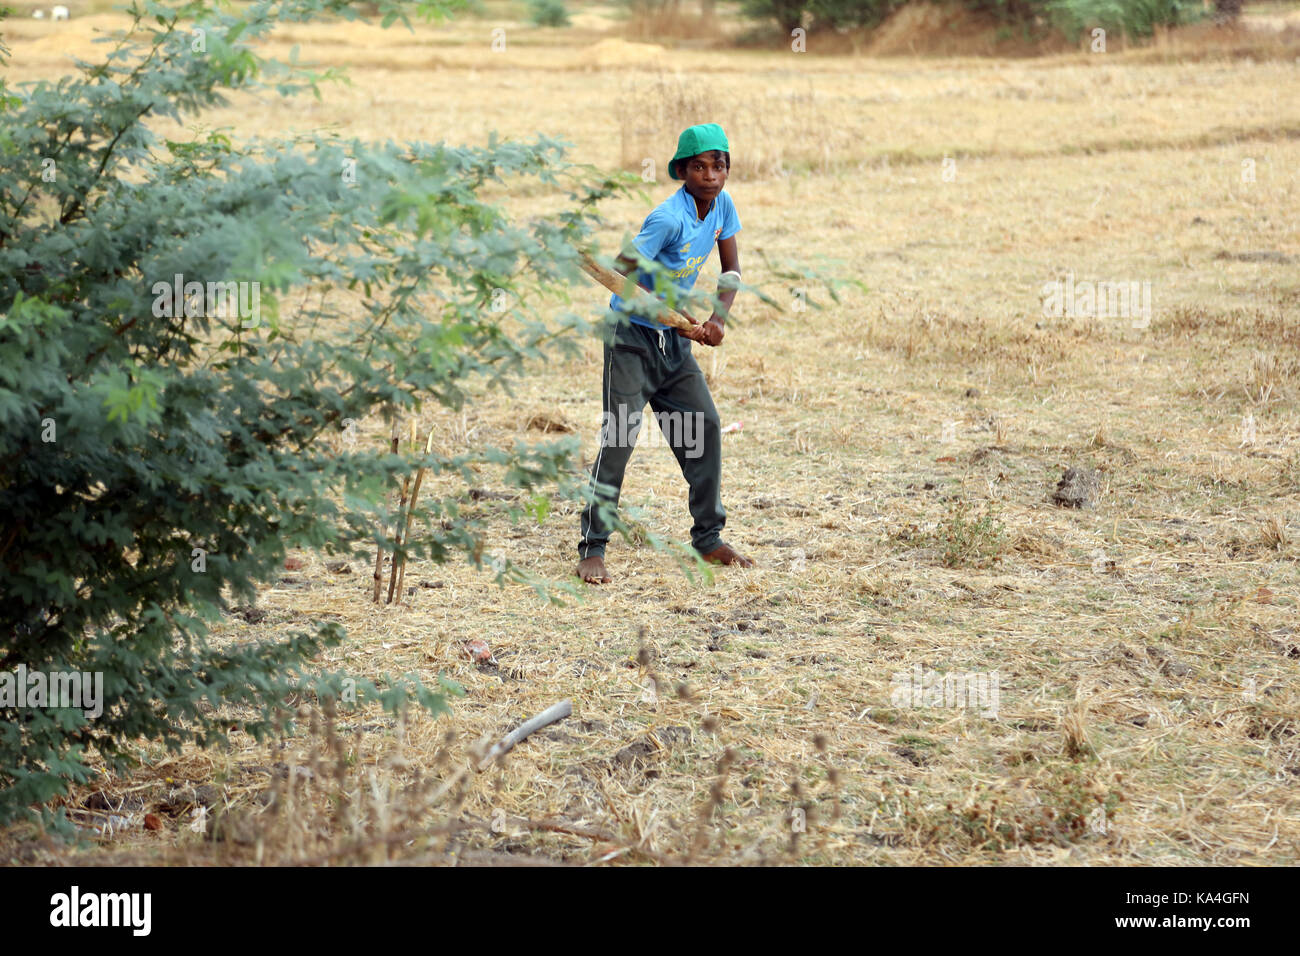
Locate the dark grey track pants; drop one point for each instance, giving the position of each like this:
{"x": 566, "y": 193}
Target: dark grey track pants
{"x": 643, "y": 365}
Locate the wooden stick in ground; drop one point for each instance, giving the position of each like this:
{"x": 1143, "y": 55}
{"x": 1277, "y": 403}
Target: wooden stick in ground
{"x": 379, "y": 548}
{"x": 397, "y": 539}
{"x": 379, "y": 568}
{"x": 410, "y": 513}
{"x": 507, "y": 743}
{"x": 616, "y": 283}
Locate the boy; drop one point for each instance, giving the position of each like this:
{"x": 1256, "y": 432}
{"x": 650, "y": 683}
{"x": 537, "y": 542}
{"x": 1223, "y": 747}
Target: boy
{"x": 646, "y": 361}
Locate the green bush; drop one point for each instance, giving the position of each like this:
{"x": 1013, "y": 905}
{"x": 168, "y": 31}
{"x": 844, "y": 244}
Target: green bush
{"x": 548, "y": 13}
{"x": 788, "y": 14}
{"x": 824, "y": 14}
{"x": 849, "y": 14}
{"x": 1012, "y": 11}
{"x": 1226, "y": 11}
{"x": 1133, "y": 18}
{"x": 160, "y": 454}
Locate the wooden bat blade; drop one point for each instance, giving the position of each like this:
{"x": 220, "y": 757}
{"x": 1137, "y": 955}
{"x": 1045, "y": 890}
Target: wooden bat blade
{"x": 616, "y": 283}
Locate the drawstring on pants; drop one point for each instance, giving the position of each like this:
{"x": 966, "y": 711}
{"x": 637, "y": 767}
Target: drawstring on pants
{"x": 661, "y": 342}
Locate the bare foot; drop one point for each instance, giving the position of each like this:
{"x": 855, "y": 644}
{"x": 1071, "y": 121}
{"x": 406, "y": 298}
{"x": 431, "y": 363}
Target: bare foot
{"x": 723, "y": 554}
{"x": 592, "y": 570}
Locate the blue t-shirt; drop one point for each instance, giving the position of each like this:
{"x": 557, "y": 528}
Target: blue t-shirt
{"x": 677, "y": 238}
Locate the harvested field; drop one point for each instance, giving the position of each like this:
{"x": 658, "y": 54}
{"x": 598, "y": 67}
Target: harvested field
{"x": 934, "y": 661}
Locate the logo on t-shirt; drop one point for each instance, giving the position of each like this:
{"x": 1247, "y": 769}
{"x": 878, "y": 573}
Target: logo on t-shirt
{"x": 686, "y": 248}
{"x": 716, "y": 233}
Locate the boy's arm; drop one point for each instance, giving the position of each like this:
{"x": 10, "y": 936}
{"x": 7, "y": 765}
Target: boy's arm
{"x": 712, "y": 331}
{"x": 729, "y": 257}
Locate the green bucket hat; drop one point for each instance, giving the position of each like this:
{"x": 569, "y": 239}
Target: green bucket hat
{"x": 695, "y": 140}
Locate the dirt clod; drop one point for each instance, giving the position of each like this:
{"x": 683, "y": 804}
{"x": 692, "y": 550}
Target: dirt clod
{"x": 1078, "y": 488}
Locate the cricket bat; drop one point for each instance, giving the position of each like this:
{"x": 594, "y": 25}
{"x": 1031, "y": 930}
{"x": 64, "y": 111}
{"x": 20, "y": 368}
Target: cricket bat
{"x": 616, "y": 283}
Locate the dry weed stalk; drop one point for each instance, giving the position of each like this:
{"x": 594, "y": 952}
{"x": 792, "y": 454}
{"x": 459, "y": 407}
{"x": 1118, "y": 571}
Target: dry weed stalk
{"x": 1074, "y": 727}
{"x": 1275, "y": 534}
{"x": 327, "y": 808}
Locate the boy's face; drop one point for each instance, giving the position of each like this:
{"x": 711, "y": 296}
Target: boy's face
{"x": 705, "y": 174}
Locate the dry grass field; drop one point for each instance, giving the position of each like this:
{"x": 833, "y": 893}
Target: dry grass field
{"x": 1136, "y": 661}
